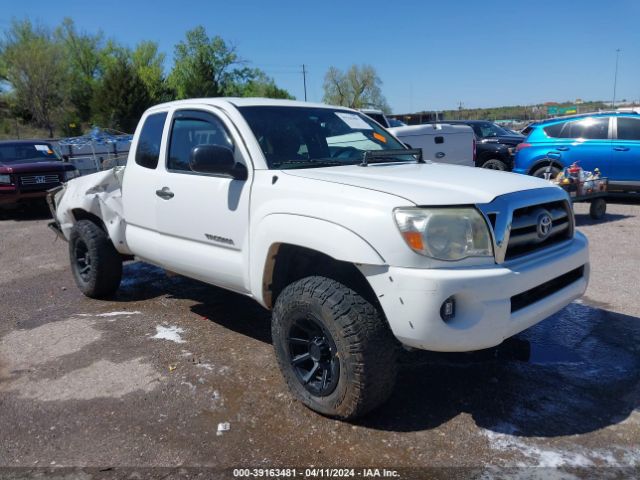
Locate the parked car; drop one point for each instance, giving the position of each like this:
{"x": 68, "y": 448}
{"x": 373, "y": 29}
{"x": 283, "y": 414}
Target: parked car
{"x": 495, "y": 147}
{"x": 28, "y": 168}
{"x": 353, "y": 241}
{"x": 607, "y": 141}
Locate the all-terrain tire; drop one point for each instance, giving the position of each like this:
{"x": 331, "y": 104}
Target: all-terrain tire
{"x": 95, "y": 263}
{"x": 361, "y": 342}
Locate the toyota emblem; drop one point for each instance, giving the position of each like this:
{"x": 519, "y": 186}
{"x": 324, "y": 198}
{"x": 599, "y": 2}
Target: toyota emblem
{"x": 544, "y": 225}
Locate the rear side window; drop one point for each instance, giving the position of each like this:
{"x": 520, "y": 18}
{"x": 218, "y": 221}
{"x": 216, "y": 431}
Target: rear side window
{"x": 628, "y": 128}
{"x": 587, "y": 128}
{"x": 148, "y": 150}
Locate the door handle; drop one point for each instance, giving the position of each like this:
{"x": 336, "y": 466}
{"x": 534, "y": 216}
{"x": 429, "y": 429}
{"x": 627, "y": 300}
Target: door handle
{"x": 562, "y": 149}
{"x": 164, "y": 193}
{"x": 621, "y": 149}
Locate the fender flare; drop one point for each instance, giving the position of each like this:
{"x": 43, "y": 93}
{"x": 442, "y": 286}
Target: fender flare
{"x": 313, "y": 233}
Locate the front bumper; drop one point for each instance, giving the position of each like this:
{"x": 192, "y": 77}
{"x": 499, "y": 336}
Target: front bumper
{"x": 411, "y": 298}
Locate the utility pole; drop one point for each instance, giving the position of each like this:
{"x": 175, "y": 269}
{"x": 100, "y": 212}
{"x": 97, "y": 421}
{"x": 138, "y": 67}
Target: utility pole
{"x": 304, "y": 79}
{"x": 615, "y": 79}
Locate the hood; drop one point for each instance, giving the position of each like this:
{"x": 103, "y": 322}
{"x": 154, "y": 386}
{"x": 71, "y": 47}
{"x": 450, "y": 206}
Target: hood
{"x": 511, "y": 139}
{"x": 31, "y": 166}
{"x": 427, "y": 184}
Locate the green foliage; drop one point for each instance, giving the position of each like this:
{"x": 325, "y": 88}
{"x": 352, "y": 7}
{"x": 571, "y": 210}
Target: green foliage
{"x": 203, "y": 66}
{"x": 34, "y": 65}
{"x": 121, "y": 96}
{"x": 256, "y": 83}
{"x": 61, "y": 80}
{"x": 358, "y": 87}
{"x": 149, "y": 64}
{"x": 519, "y": 113}
{"x": 83, "y": 54}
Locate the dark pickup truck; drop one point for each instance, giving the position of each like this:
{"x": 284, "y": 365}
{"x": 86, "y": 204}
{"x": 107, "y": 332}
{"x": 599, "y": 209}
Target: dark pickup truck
{"x": 28, "y": 168}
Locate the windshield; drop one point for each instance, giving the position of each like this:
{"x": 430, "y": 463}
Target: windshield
{"x": 307, "y": 137}
{"x": 26, "y": 153}
{"x": 485, "y": 130}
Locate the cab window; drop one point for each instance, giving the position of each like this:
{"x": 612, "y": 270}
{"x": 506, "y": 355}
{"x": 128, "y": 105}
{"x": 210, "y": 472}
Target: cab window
{"x": 148, "y": 150}
{"x": 190, "y": 129}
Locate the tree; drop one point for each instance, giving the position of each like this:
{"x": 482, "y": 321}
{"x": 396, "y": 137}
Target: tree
{"x": 83, "y": 54}
{"x": 34, "y": 65}
{"x": 148, "y": 62}
{"x": 256, "y": 83}
{"x": 121, "y": 96}
{"x": 358, "y": 87}
{"x": 203, "y": 66}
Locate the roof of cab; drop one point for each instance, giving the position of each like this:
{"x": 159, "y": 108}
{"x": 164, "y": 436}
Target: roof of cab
{"x": 243, "y": 102}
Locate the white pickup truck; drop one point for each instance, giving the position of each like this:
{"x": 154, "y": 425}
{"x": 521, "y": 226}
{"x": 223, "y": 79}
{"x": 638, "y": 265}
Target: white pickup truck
{"x": 357, "y": 248}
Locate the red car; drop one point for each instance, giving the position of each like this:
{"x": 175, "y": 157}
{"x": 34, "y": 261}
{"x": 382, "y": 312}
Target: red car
{"x": 28, "y": 168}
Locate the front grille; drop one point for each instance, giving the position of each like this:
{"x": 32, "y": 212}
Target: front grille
{"x": 540, "y": 292}
{"x": 525, "y": 236}
{"x": 43, "y": 179}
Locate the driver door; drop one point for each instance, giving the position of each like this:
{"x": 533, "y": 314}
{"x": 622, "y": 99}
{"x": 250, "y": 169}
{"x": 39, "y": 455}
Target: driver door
{"x": 202, "y": 218}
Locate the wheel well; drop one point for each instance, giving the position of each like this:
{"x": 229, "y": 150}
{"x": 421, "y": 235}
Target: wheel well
{"x": 288, "y": 263}
{"x": 80, "y": 214}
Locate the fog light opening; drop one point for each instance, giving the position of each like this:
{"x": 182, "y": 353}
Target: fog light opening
{"x": 448, "y": 309}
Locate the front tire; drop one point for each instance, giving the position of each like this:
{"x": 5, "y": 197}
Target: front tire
{"x": 95, "y": 263}
{"x": 334, "y": 348}
{"x": 495, "y": 164}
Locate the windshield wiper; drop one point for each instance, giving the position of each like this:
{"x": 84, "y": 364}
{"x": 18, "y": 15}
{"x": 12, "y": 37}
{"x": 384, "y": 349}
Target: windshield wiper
{"x": 310, "y": 163}
{"x": 381, "y": 156}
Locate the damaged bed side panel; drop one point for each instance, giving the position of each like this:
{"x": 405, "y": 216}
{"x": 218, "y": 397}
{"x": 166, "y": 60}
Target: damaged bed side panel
{"x": 99, "y": 194}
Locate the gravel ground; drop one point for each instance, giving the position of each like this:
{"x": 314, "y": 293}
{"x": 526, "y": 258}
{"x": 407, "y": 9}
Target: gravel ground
{"x": 175, "y": 373}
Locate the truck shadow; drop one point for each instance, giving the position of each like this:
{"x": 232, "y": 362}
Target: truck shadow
{"x": 583, "y": 219}
{"x": 576, "y": 372}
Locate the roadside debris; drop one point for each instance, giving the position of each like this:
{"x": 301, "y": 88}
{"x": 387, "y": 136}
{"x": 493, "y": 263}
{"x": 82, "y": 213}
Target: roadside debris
{"x": 223, "y": 427}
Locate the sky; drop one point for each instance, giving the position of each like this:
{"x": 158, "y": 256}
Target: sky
{"x": 429, "y": 55}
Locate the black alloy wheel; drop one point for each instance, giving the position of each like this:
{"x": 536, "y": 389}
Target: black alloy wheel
{"x": 313, "y": 356}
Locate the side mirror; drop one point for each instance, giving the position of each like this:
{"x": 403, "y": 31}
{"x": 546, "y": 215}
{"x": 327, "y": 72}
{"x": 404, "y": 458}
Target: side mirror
{"x": 217, "y": 160}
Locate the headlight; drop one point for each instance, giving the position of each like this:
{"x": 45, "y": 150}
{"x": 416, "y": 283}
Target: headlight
{"x": 445, "y": 233}
{"x": 71, "y": 174}
{"x": 5, "y": 178}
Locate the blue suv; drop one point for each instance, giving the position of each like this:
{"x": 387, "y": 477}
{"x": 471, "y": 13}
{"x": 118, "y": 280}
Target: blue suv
{"x": 608, "y": 141}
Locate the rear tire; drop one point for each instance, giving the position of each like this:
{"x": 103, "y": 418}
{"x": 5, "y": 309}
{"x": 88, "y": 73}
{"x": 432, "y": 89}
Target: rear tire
{"x": 320, "y": 325}
{"x": 495, "y": 164}
{"x": 95, "y": 263}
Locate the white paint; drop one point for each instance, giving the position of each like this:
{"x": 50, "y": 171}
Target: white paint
{"x": 206, "y": 366}
{"x": 223, "y": 427}
{"x": 171, "y": 333}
